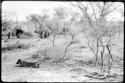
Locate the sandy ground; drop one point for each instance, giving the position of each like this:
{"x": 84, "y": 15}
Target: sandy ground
{"x": 73, "y": 70}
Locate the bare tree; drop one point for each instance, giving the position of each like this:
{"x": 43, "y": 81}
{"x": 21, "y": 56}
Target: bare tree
{"x": 97, "y": 28}
{"x": 54, "y": 26}
{"x": 57, "y": 22}
{"x": 71, "y": 31}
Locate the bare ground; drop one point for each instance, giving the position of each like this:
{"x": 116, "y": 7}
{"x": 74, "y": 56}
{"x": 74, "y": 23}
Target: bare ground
{"x": 74, "y": 69}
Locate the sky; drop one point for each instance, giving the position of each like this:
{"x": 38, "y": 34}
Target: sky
{"x": 25, "y": 8}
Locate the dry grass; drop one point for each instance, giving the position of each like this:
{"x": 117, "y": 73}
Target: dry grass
{"x": 80, "y": 63}
{"x": 51, "y": 52}
{"x": 17, "y": 45}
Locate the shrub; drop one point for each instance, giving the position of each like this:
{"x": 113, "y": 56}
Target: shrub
{"x": 35, "y": 56}
{"x": 4, "y": 57}
{"x": 28, "y": 34}
{"x": 53, "y": 53}
{"x": 17, "y": 45}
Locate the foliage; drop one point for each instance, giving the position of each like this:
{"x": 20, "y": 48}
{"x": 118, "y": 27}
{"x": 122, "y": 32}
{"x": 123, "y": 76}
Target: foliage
{"x": 39, "y": 22}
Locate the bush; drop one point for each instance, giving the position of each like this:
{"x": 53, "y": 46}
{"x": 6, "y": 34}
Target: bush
{"x": 4, "y": 57}
{"x": 35, "y": 56}
{"x": 54, "y": 53}
{"x": 17, "y": 45}
{"x": 28, "y": 34}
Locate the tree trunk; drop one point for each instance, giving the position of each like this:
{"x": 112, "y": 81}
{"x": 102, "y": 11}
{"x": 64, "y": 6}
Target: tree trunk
{"x": 97, "y": 43}
{"x": 43, "y": 35}
{"x": 54, "y": 36}
{"x": 109, "y": 61}
{"x": 66, "y": 49}
{"x": 9, "y": 35}
{"x": 102, "y": 54}
{"x": 109, "y": 50}
{"x": 119, "y": 33}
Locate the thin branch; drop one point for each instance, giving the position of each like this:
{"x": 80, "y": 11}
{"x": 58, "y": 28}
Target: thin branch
{"x": 72, "y": 4}
{"x": 107, "y": 6}
{"x": 91, "y": 24}
{"x": 102, "y": 11}
{"x": 99, "y": 6}
{"x": 109, "y": 52}
{"x": 110, "y": 11}
{"x": 66, "y": 49}
{"x": 94, "y": 12}
{"x": 91, "y": 48}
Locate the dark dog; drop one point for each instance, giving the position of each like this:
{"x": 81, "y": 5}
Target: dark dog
{"x": 27, "y": 64}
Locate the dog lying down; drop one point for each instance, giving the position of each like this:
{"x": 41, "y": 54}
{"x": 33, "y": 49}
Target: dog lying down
{"x": 22, "y": 63}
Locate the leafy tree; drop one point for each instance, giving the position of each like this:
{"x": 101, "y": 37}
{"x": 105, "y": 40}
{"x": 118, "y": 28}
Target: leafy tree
{"x": 7, "y": 23}
{"x": 39, "y": 23}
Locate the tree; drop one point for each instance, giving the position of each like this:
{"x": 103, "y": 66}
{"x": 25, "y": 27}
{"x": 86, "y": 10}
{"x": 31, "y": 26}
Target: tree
{"x": 96, "y": 26}
{"x": 71, "y": 29}
{"x": 7, "y": 23}
{"x": 54, "y": 25}
{"x": 39, "y": 23}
